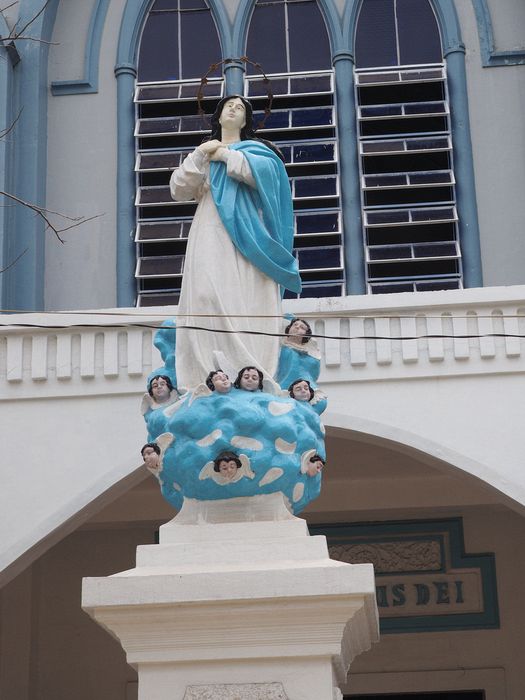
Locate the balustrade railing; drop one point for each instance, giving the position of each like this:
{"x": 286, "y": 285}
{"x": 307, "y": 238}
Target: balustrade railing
{"x": 361, "y": 338}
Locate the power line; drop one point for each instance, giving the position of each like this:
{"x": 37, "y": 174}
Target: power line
{"x": 307, "y": 315}
{"x": 423, "y": 336}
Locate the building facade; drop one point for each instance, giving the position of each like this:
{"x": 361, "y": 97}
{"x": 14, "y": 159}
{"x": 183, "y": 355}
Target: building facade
{"x": 400, "y": 122}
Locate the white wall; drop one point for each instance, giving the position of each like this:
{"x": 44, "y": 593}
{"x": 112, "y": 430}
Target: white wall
{"x": 497, "y": 103}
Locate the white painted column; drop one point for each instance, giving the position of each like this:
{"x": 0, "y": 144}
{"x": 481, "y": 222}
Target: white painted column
{"x": 238, "y": 601}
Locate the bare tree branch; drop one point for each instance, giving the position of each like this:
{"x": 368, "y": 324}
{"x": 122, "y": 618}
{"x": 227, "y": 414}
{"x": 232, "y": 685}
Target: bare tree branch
{"x": 4, "y": 132}
{"x": 13, "y": 262}
{"x": 44, "y": 214}
{"x": 29, "y": 38}
{"x": 8, "y": 7}
{"x": 78, "y": 222}
{"x": 16, "y": 34}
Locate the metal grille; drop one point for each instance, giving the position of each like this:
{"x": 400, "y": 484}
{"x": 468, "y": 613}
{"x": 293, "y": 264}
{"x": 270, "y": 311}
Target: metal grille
{"x": 302, "y": 124}
{"x": 167, "y": 129}
{"x": 407, "y": 179}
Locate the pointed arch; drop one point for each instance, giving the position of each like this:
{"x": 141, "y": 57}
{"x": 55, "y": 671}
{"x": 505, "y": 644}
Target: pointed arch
{"x": 244, "y": 15}
{"x": 133, "y": 18}
{"x": 446, "y": 15}
{"x": 454, "y": 55}
{"x": 285, "y": 52}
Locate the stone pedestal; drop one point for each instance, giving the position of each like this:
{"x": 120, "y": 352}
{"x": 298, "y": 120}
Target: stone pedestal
{"x": 237, "y": 602}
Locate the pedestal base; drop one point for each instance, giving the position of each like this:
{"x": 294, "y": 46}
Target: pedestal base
{"x": 233, "y": 609}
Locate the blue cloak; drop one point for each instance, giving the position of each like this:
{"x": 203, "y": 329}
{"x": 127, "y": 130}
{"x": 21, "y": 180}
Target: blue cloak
{"x": 259, "y": 221}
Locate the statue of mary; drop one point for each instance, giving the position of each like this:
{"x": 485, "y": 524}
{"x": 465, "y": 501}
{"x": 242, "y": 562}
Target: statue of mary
{"x": 239, "y": 256}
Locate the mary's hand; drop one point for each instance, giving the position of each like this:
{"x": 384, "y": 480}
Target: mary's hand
{"x": 208, "y": 148}
{"x": 220, "y": 154}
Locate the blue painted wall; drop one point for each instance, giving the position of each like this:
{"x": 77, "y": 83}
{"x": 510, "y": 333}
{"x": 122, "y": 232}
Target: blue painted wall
{"x": 6, "y": 119}
{"x": 23, "y": 284}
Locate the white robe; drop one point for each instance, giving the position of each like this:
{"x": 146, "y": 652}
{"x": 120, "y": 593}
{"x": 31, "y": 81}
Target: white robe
{"x": 219, "y": 281}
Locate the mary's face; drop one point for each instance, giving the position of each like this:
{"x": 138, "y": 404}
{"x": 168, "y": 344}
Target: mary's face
{"x": 233, "y": 114}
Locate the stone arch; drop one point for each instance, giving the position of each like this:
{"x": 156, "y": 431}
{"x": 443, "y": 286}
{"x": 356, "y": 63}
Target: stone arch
{"x": 427, "y": 451}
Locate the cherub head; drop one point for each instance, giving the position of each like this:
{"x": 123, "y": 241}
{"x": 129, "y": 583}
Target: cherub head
{"x": 298, "y": 328}
{"x": 160, "y": 388}
{"x": 218, "y": 381}
{"x": 315, "y": 465}
{"x": 300, "y": 390}
{"x": 226, "y": 464}
{"x": 249, "y": 379}
{"x": 151, "y": 455}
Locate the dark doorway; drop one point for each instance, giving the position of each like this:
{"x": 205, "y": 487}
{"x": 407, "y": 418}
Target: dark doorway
{"x": 449, "y": 695}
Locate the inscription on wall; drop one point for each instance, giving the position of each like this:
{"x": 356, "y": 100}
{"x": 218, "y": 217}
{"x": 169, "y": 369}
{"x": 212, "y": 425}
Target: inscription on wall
{"x": 433, "y": 595}
{"x": 424, "y": 580}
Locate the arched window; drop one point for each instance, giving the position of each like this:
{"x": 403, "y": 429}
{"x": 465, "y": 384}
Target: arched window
{"x": 288, "y": 36}
{"x": 289, "y": 39}
{"x": 396, "y": 33}
{"x": 171, "y": 62}
{"x": 179, "y": 41}
{"x": 410, "y": 220}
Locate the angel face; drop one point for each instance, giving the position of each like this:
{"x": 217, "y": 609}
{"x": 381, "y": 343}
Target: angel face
{"x": 315, "y": 465}
{"x": 160, "y": 390}
{"x": 298, "y": 331}
{"x": 250, "y": 380}
{"x": 228, "y": 468}
{"x": 221, "y": 382}
{"x": 301, "y": 391}
{"x": 151, "y": 458}
{"x": 298, "y": 327}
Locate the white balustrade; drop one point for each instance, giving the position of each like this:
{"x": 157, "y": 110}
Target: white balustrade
{"x": 362, "y": 339}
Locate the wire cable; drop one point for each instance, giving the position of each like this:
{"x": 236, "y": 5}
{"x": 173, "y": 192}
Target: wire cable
{"x": 423, "y": 336}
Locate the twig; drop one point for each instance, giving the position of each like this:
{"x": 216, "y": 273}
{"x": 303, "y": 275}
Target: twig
{"x": 29, "y": 38}
{"x": 44, "y": 214}
{"x": 13, "y": 262}
{"x": 8, "y": 7}
{"x": 16, "y": 34}
{"x": 78, "y": 221}
{"x": 4, "y": 132}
